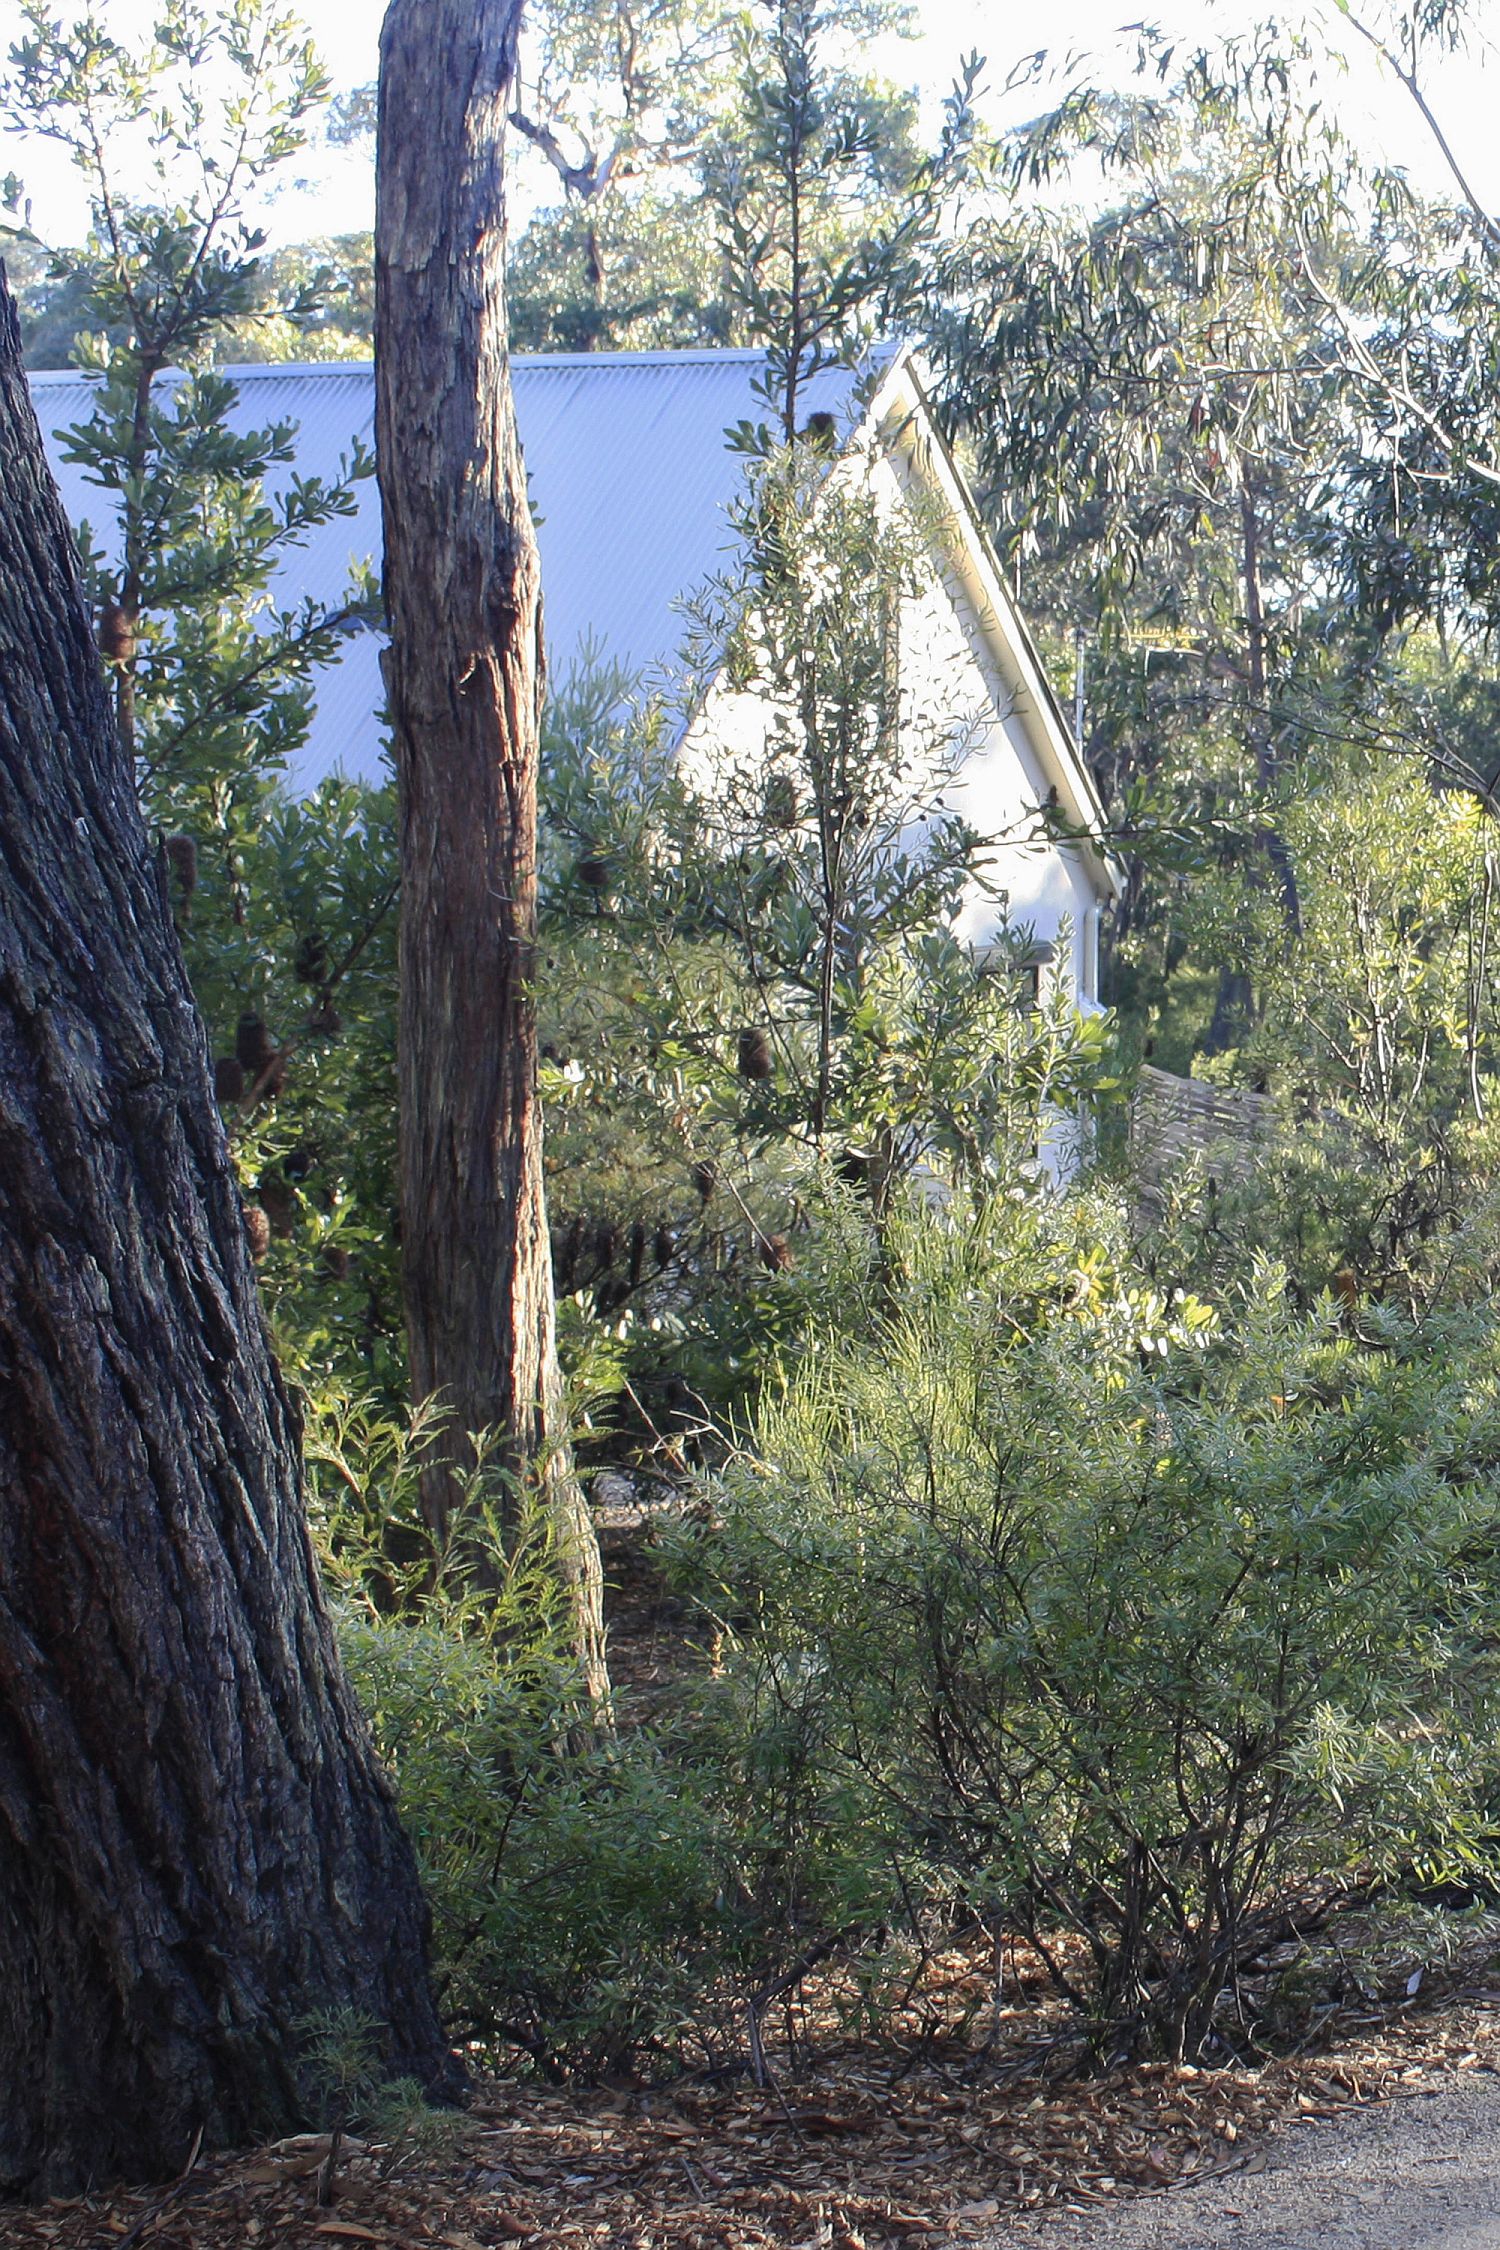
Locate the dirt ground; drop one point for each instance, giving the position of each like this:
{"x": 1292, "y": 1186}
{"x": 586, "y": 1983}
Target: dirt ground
{"x": 1385, "y": 2140}
{"x": 1419, "y": 2173}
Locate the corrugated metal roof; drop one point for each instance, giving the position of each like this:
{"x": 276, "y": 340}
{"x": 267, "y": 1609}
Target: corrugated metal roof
{"x": 630, "y": 477}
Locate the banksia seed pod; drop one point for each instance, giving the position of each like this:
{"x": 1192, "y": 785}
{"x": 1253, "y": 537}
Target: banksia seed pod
{"x": 252, "y": 1042}
{"x": 566, "y": 1251}
{"x": 606, "y": 1242}
{"x": 229, "y": 1079}
{"x": 776, "y": 1252}
{"x": 665, "y": 1246}
{"x": 821, "y": 430}
{"x": 257, "y": 1231}
{"x": 182, "y": 858}
{"x": 311, "y": 963}
{"x": 336, "y": 1260}
{"x": 325, "y": 1022}
{"x": 637, "y": 1254}
{"x": 278, "y": 1199}
{"x": 272, "y": 1080}
{"x": 754, "y": 1053}
{"x": 298, "y": 1162}
{"x": 116, "y": 634}
{"x": 593, "y": 872}
{"x": 705, "y": 1178}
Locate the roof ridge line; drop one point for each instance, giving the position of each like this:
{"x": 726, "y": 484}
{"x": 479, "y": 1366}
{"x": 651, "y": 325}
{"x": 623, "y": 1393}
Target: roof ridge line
{"x": 242, "y": 371}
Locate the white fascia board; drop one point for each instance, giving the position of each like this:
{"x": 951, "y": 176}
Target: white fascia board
{"x": 899, "y": 415}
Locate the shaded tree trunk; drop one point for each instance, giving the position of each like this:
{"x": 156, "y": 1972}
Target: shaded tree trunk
{"x": 464, "y": 673}
{"x": 197, "y": 1847}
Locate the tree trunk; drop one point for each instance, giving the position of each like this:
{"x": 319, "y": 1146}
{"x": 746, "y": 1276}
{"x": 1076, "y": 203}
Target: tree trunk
{"x": 464, "y": 673}
{"x": 1267, "y": 763}
{"x": 197, "y": 1847}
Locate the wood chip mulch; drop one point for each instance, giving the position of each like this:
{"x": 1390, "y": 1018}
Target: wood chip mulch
{"x": 863, "y": 2150}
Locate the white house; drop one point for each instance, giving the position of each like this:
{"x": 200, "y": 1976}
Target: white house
{"x": 631, "y": 480}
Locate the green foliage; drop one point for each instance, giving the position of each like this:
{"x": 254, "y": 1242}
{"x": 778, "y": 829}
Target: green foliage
{"x": 1376, "y": 1040}
{"x": 658, "y": 287}
{"x": 1118, "y": 1616}
{"x": 204, "y": 110}
{"x": 574, "y": 1895}
{"x": 573, "y": 1891}
{"x": 754, "y": 988}
{"x": 350, "y": 2089}
{"x": 826, "y": 207}
{"x": 1045, "y": 1597}
{"x": 284, "y": 904}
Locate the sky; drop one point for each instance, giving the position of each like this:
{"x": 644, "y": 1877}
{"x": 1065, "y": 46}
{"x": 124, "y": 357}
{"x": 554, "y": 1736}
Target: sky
{"x": 332, "y": 191}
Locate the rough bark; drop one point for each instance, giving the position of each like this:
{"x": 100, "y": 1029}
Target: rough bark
{"x": 197, "y": 1846}
{"x": 464, "y": 673}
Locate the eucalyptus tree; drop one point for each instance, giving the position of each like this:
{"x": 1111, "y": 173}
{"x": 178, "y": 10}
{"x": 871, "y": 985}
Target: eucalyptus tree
{"x": 200, "y": 1851}
{"x": 669, "y": 203}
{"x": 465, "y": 677}
{"x": 617, "y": 96}
{"x": 1155, "y": 405}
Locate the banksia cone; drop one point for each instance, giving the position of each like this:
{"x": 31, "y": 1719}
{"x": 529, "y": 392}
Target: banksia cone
{"x": 182, "y": 858}
{"x": 278, "y": 1199}
{"x": 666, "y": 1246}
{"x": 705, "y": 1179}
{"x": 776, "y": 1252}
{"x": 325, "y": 1022}
{"x": 821, "y": 430}
{"x": 272, "y": 1080}
{"x": 257, "y": 1231}
{"x": 637, "y": 1254}
{"x": 754, "y": 1053}
{"x": 311, "y": 963}
{"x": 116, "y": 634}
{"x": 606, "y": 1242}
{"x": 336, "y": 1261}
{"x": 252, "y": 1043}
{"x": 229, "y": 1079}
{"x": 593, "y": 872}
{"x": 567, "y": 1251}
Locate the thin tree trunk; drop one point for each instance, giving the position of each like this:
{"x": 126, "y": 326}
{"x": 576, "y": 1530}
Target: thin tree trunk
{"x": 1267, "y": 764}
{"x": 197, "y": 1847}
{"x": 464, "y": 671}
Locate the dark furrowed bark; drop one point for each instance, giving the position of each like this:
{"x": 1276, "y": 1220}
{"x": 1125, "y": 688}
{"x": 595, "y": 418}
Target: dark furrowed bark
{"x": 197, "y": 1846}
{"x": 464, "y": 671}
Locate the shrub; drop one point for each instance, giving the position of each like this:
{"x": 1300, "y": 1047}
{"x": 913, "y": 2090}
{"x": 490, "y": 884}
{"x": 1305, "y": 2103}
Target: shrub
{"x": 572, "y": 1888}
{"x": 573, "y": 1895}
{"x": 1116, "y": 1617}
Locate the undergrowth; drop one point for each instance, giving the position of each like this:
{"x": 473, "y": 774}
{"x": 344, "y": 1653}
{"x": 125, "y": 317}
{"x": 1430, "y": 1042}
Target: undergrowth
{"x": 1060, "y": 1606}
